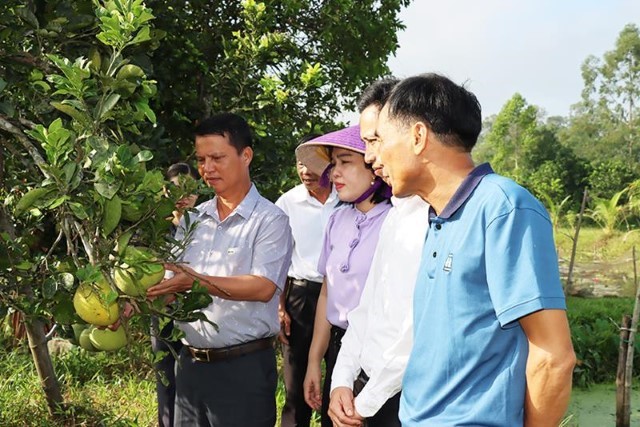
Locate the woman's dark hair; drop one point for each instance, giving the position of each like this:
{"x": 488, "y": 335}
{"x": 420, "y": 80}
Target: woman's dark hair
{"x": 382, "y": 194}
{"x": 182, "y": 168}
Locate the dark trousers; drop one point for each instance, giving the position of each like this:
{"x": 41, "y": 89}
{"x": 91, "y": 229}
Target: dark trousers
{"x": 335, "y": 342}
{"x": 387, "y": 415}
{"x": 301, "y": 301}
{"x": 165, "y": 387}
{"x": 235, "y": 392}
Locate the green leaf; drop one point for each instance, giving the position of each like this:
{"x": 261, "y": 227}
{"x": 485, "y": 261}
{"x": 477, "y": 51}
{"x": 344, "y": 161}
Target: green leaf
{"x": 24, "y": 265}
{"x": 49, "y": 288}
{"x": 88, "y": 273}
{"x": 148, "y": 112}
{"x": 142, "y": 36}
{"x": 70, "y": 111}
{"x": 144, "y": 156}
{"x": 106, "y": 190}
{"x": 3, "y": 84}
{"x": 62, "y": 310}
{"x": 31, "y": 198}
{"x": 112, "y": 214}
{"x": 7, "y": 108}
{"x": 96, "y": 59}
{"x": 123, "y": 242}
{"x": 69, "y": 170}
{"x": 107, "y": 105}
{"x": 43, "y": 86}
{"x": 78, "y": 210}
{"x": 57, "y": 202}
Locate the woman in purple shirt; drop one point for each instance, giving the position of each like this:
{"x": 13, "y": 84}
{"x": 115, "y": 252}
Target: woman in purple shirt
{"x": 350, "y": 240}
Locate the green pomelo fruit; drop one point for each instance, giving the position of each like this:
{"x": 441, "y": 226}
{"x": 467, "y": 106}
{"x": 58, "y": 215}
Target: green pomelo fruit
{"x": 139, "y": 272}
{"x": 108, "y": 340}
{"x": 89, "y": 302}
{"x": 85, "y": 341}
{"x": 78, "y": 328}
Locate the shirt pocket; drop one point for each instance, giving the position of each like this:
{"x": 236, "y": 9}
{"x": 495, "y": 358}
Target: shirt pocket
{"x": 238, "y": 259}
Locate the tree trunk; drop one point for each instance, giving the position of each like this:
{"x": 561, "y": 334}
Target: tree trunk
{"x": 622, "y": 420}
{"x": 42, "y": 360}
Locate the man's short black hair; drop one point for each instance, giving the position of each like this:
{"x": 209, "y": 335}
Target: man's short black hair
{"x": 227, "y": 124}
{"x": 376, "y": 93}
{"x": 452, "y": 112}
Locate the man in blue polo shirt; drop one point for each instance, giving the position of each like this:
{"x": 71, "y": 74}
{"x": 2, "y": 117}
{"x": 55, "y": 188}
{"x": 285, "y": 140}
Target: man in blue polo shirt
{"x": 491, "y": 338}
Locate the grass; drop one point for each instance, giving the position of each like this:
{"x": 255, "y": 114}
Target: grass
{"x": 101, "y": 389}
{"x": 593, "y": 245}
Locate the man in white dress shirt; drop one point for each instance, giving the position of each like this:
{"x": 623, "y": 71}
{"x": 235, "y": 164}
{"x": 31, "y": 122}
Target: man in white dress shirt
{"x": 309, "y": 206}
{"x": 240, "y": 251}
{"x": 376, "y": 346}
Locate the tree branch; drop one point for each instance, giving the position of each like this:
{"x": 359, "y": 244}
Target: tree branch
{"x": 7, "y": 126}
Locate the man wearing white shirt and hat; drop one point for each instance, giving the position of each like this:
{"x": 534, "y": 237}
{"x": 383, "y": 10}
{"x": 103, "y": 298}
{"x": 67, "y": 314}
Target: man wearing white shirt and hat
{"x": 309, "y": 206}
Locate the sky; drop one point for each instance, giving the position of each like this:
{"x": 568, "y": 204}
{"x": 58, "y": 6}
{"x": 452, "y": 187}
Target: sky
{"x": 500, "y": 47}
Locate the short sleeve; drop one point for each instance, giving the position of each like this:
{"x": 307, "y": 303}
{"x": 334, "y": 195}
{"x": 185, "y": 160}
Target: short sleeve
{"x": 522, "y": 265}
{"x": 272, "y": 250}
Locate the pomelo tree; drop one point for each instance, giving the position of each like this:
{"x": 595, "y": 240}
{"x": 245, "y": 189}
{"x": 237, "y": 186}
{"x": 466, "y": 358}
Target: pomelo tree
{"x": 96, "y": 93}
{"x": 86, "y": 194}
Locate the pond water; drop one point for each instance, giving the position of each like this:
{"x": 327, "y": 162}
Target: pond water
{"x": 596, "y": 406}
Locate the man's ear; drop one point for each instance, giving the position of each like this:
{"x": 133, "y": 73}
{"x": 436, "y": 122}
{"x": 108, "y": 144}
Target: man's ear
{"x": 420, "y": 134}
{"x": 247, "y": 155}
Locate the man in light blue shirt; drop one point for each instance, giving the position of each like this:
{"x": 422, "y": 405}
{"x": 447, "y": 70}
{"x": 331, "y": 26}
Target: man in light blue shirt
{"x": 491, "y": 338}
{"x": 240, "y": 251}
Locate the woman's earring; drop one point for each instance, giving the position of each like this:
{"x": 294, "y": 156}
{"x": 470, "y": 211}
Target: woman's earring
{"x": 373, "y": 181}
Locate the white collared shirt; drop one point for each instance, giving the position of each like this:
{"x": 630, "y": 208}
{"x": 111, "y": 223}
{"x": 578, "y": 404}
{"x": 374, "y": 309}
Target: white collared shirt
{"x": 379, "y": 337}
{"x": 308, "y": 219}
{"x": 254, "y": 239}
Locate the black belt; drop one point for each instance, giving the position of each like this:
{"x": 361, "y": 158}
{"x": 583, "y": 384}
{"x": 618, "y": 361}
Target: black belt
{"x": 217, "y": 354}
{"x": 313, "y": 286}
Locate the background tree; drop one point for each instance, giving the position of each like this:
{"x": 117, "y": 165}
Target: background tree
{"x": 605, "y": 122}
{"x": 289, "y": 67}
{"x": 520, "y": 145}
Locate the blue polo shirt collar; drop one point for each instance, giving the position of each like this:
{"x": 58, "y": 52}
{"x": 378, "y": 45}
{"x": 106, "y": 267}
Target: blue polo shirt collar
{"x": 244, "y": 209}
{"x": 463, "y": 192}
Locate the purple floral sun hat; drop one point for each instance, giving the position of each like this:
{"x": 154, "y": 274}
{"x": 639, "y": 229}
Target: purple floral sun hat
{"x": 314, "y": 154}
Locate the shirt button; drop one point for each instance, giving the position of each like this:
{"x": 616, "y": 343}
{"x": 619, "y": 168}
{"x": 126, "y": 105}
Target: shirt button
{"x": 435, "y": 254}
{"x": 219, "y": 227}
{"x": 438, "y": 226}
{"x": 344, "y": 268}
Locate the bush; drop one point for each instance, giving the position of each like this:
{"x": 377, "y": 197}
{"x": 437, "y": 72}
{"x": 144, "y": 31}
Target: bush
{"x": 595, "y": 334}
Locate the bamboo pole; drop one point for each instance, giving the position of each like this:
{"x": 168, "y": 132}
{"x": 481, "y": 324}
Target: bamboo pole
{"x": 628, "y": 376}
{"x": 569, "y": 285}
{"x": 620, "y": 372}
